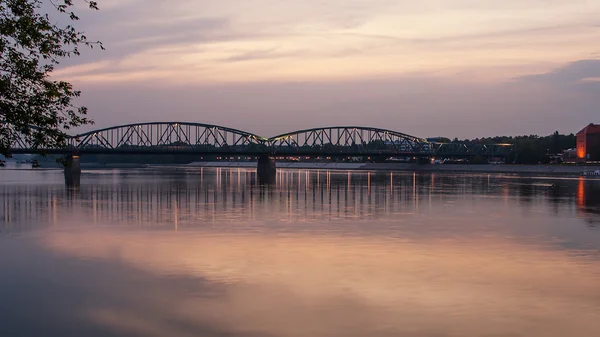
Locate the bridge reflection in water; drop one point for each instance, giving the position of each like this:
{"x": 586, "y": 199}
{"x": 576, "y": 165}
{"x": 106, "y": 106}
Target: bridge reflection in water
{"x": 204, "y": 197}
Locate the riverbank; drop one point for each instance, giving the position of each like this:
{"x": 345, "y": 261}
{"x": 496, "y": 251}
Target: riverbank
{"x": 521, "y": 169}
{"x": 409, "y": 167}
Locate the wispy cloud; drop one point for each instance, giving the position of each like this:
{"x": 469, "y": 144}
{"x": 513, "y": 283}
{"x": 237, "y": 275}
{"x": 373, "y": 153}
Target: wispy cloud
{"x": 267, "y": 54}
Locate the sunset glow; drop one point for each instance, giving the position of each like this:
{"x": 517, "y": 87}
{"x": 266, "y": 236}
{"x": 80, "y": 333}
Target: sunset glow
{"x": 294, "y": 40}
{"x": 477, "y": 68}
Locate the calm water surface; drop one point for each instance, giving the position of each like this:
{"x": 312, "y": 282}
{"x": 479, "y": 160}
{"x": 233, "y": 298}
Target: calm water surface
{"x": 198, "y": 252}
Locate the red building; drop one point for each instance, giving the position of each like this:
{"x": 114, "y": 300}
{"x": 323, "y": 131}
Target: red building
{"x": 588, "y": 143}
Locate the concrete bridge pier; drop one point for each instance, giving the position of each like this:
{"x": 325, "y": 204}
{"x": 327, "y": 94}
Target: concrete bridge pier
{"x": 266, "y": 169}
{"x": 423, "y": 160}
{"x": 72, "y": 171}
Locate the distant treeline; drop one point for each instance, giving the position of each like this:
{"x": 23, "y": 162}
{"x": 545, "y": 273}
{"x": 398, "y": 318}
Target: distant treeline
{"x": 532, "y": 149}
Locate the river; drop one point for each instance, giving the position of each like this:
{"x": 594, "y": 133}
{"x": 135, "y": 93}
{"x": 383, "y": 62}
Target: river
{"x": 210, "y": 252}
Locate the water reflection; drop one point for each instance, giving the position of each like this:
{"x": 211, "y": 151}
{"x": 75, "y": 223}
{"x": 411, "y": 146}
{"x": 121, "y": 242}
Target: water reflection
{"x": 213, "y": 253}
{"x": 158, "y": 197}
{"x": 588, "y": 202}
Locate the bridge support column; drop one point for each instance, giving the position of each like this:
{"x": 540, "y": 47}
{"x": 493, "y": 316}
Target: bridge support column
{"x": 72, "y": 171}
{"x": 266, "y": 169}
{"x": 423, "y": 160}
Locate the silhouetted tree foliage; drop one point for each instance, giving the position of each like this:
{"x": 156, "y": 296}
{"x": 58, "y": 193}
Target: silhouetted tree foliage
{"x": 532, "y": 149}
{"x": 32, "y": 105}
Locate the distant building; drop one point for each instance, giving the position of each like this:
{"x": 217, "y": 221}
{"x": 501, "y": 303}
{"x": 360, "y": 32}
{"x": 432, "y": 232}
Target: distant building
{"x": 569, "y": 155}
{"x": 588, "y": 143}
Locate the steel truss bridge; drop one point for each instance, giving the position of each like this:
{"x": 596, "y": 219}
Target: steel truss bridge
{"x": 198, "y": 138}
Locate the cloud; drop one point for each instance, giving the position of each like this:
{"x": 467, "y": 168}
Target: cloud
{"x": 384, "y": 29}
{"x": 479, "y": 37}
{"x": 577, "y": 72}
{"x": 303, "y": 64}
{"x": 124, "y": 39}
{"x": 268, "y": 40}
{"x": 264, "y": 55}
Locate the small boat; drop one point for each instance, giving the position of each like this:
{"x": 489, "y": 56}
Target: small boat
{"x": 591, "y": 173}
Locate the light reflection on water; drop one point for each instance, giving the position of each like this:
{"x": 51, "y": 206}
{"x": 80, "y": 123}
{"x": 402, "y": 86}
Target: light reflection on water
{"x": 210, "y": 252}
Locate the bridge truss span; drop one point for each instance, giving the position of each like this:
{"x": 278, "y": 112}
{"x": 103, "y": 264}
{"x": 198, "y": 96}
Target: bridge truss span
{"x": 168, "y": 137}
{"x": 348, "y": 140}
{"x": 199, "y": 138}
{"x": 470, "y": 150}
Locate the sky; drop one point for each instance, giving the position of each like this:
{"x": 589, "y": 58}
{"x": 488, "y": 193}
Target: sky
{"x": 454, "y": 68}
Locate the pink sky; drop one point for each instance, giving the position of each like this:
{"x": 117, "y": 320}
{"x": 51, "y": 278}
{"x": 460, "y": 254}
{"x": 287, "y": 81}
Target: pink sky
{"x": 461, "y": 68}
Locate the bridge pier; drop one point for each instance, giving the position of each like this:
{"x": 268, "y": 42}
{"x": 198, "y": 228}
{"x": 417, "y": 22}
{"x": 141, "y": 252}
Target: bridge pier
{"x": 266, "y": 169}
{"x": 72, "y": 171}
{"x": 423, "y": 160}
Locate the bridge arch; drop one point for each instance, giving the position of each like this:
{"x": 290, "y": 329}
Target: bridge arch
{"x": 167, "y": 136}
{"x": 348, "y": 139}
